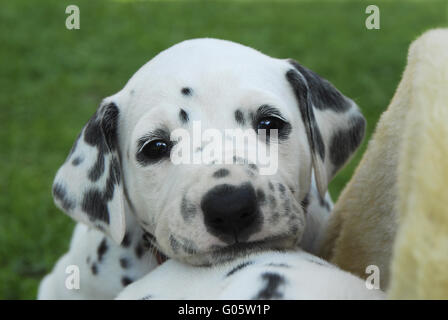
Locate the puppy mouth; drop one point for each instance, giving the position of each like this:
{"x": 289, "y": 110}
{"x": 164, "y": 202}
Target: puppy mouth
{"x": 262, "y": 244}
{"x": 220, "y": 254}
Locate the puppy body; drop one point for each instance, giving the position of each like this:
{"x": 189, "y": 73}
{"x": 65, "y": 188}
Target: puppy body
{"x": 266, "y": 275}
{"x": 105, "y": 268}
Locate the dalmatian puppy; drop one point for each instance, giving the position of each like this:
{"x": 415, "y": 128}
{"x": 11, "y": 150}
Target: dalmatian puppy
{"x": 267, "y": 275}
{"x": 136, "y": 207}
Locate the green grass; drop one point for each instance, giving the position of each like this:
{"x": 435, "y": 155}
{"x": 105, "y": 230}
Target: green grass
{"x": 52, "y": 80}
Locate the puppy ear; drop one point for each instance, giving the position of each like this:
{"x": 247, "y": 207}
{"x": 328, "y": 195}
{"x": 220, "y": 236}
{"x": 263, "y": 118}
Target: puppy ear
{"x": 333, "y": 123}
{"x": 88, "y": 185}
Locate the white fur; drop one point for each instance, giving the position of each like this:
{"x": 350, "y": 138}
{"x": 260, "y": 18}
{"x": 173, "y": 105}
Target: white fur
{"x": 106, "y": 284}
{"x": 303, "y": 276}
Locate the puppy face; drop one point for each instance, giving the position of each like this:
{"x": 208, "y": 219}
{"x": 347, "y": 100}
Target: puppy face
{"x": 210, "y": 210}
{"x": 205, "y": 210}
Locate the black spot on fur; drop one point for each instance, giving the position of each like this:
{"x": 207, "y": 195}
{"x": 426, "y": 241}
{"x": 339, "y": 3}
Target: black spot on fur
{"x": 221, "y": 173}
{"x": 60, "y": 193}
{"x": 97, "y": 170}
{"x": 187, "y": 209}
{"x": 239, "y": 267}
{"x": 302, "y": 93}
{"x": 125, "y": 281}
{"x": 271, "y": 186}
{"x": 183, "y": 116}
{"x": 139, "y": 249}
{"x": 186, "y": 91}
{"x": 124, "y": 263}
{"x": 112, "y": 179}
{"x": 239, "y": 117}
{"x": 305, "y": 202}
{"x": 281, "y": 188}
{"x": 77, "y": 161}
{"x": 323, "y": 93}
{"x": 126, "y": 242}
{"x": 94, "y": 269}
{"x": 94, "y": 205}
{"x": 95, "y": 202}
{"x": 101, "y": 132}
{"x": 93, "y": 134}
{"x": 102, "y": 249}
{"x": 345, "y": 141}
{"x": 272, "y": 283}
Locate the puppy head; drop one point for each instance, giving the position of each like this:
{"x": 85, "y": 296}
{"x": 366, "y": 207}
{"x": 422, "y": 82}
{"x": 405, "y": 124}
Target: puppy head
{"x": 188, "y": 102}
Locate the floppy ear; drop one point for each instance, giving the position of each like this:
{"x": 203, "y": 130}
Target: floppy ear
{"x": 333, "y": 123}
{"x": 87, "y": 186}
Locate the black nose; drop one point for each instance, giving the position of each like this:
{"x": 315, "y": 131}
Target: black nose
{"x": 231, "y": 212}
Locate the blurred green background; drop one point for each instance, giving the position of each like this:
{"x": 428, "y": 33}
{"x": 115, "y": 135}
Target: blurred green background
{"x": 52, "y": 80}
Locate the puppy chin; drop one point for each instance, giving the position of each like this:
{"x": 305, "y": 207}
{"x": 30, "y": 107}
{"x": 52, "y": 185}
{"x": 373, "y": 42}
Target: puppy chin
{"x": 223, "y": 254}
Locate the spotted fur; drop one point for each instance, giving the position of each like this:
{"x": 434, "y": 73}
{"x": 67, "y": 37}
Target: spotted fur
{"x": 269, "y": 275}
{"x": 108, "y": 184}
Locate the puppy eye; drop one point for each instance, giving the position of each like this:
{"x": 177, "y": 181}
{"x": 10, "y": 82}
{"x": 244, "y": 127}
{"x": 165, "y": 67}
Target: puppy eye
{"x": 270, "y": 123}
{"x": 155, "y": 150}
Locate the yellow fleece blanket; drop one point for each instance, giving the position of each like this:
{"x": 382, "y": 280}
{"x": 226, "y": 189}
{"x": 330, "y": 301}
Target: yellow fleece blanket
{"x": 420, "y": 259}
{"x": 394, "y": 211}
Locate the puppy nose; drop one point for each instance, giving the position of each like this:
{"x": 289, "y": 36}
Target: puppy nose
{"x": 231, "y": 212}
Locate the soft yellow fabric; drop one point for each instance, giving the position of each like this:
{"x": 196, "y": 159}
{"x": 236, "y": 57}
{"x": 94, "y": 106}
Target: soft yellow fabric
{"x": 420, "y": 260}
{"x": 402, "y": 182}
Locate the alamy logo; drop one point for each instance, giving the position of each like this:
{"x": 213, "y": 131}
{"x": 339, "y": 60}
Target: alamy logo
{"x": 373, "y": 20}
{"x": 373, "y": 280}
{"x": 231, "y": 146}
{"x": 72, "y": 281}
{"x": 72, "y": 21}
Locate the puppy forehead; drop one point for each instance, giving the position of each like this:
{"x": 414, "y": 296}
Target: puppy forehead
{"x": 200, "y": 62}
{"x": 219, "y": 76}
{"x": 199, "y": 54}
